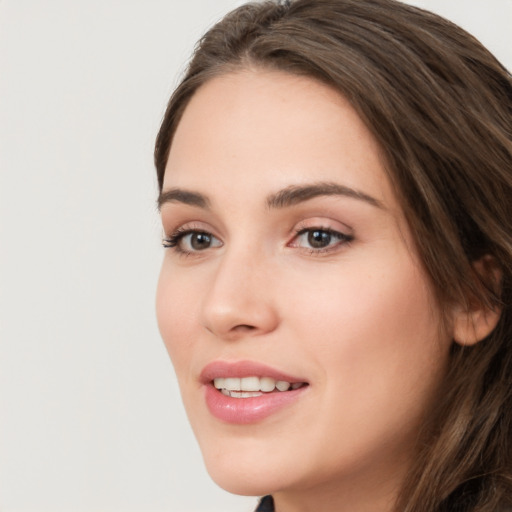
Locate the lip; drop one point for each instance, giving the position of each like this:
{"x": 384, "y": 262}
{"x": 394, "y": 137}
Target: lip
{"x": 243, "y": 369}
{"x": 244, "y": 411}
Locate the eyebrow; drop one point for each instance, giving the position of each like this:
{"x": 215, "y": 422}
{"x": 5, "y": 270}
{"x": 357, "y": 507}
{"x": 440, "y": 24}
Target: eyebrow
{"x": 178, "y": 195}
{"x": 295, "y": 194}
{"x": 289, "y": 196}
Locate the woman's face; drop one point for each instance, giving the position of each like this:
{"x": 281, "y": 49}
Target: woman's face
{"x": 291, "y": 264}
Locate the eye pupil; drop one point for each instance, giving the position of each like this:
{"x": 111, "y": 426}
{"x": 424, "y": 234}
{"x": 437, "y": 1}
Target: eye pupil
{"x": 199, "y": 241}
{"x": 318, "y": 239}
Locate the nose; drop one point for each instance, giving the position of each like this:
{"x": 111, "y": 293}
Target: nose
{"x": 240, "y": 300}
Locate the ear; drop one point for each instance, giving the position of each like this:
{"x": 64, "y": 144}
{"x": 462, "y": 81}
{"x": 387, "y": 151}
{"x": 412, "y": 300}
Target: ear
{"x": 475, "y": 322}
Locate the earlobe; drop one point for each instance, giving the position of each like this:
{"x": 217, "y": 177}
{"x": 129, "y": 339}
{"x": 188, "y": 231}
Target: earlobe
{"x": 478, "y": 320}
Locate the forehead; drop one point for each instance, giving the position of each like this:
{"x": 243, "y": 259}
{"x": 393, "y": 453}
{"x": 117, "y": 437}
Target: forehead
{"x": 267, "y": 129}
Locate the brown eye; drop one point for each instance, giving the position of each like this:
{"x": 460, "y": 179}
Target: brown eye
{"x": 319, "y": 239}
{"x": 190, "y": 241}
{"x": 199, "y": 241}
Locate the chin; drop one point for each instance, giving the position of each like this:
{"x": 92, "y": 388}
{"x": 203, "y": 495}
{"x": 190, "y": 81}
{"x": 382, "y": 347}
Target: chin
{"x": 246, "y": 470}
{"x": 243, "y": 486}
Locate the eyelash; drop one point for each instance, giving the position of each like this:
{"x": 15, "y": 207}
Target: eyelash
{"x": 173, "y": 240}
{"x": 343, "y": 239}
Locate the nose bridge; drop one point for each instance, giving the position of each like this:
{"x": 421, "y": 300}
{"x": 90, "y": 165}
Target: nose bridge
{"x": 239, "y": 300}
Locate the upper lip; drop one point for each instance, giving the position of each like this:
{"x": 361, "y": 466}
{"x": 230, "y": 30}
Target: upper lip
{"x": 241, "y": 369}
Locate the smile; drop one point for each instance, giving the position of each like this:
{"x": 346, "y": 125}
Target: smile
{"x": 248, "y": 392}
{"x": 248, "y": 387}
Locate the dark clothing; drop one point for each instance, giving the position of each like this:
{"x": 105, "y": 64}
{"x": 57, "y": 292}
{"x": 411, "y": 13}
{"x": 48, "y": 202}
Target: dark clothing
{"x": 266, "y": 504}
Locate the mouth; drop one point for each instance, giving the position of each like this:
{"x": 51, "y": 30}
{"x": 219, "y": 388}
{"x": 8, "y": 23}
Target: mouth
{"x": 248, "y": 392}
{"x": 250, "y": 387}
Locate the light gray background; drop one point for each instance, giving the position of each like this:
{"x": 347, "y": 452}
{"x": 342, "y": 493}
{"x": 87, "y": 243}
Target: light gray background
{"x": 90, "y": 415}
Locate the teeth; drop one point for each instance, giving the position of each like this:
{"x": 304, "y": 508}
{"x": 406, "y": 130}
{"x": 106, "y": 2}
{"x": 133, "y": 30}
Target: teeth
{"x": 240, "y": 394}
{"x": 252, "y": 386}
{"x": 267, "y": 384}
{"x": 233, "y": 384}
{"x": 243, "y": 394}
{"x": 282, "y": 385}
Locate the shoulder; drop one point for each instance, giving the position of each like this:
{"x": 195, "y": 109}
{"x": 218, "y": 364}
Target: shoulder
{"x": 266, "y": 504}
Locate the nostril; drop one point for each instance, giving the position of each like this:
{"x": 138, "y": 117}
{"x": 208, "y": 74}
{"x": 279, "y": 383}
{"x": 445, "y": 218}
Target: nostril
{"x": 244, "y": 328}
{"x": 237, "y": 329}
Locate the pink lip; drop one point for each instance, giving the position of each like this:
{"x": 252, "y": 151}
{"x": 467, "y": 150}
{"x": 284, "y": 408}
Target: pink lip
{"x": 246, "y": 410}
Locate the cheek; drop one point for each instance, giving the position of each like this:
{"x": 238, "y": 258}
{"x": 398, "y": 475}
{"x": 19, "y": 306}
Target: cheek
{"x": 353, "y": 300}
{"x": 176, "y": 314}
{"x": 372, "y": 337}
{"x": 375, "y": 332}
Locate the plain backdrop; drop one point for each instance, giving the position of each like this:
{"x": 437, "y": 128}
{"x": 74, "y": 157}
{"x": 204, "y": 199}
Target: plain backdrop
{"x": 90, "y": 414}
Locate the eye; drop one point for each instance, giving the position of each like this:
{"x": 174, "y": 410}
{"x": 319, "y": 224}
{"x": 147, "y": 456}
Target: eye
{"x": 191, "y": 241}
{"x": 320, "y": 239}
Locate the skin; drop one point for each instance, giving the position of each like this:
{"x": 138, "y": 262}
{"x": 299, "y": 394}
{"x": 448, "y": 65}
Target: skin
{"x": 357, "y": 320}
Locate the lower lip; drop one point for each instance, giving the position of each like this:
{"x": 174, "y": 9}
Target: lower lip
{"x": 242, "y": 411}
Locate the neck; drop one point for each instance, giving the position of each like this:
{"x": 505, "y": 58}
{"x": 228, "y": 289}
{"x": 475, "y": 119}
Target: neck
{"x": 370, "y": 490}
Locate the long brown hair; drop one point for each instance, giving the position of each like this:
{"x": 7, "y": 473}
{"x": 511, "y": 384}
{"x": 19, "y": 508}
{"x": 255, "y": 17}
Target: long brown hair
{"x": 440, "y": 106}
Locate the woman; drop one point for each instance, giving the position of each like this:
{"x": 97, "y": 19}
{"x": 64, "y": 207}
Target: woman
{"x": 335, "y": 190}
